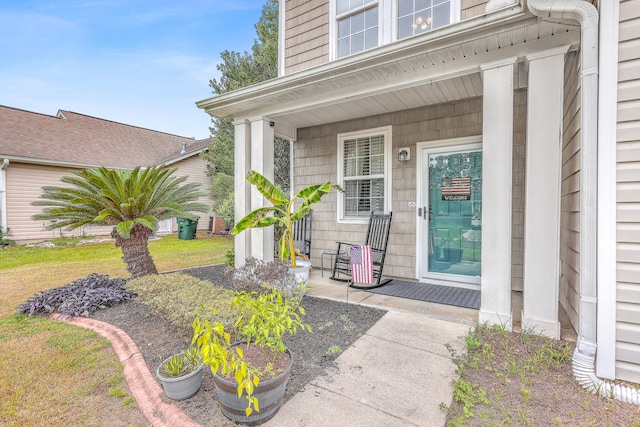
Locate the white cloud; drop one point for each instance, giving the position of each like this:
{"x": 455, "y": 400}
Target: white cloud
{"x": 143, "y": 63}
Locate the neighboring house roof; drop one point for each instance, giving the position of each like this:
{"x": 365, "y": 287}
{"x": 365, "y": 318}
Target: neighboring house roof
{"x": 196, "y": 147}
{"x": 77, "y": 139}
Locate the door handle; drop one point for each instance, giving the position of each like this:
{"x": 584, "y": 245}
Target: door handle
{"x": 423, "y": 212}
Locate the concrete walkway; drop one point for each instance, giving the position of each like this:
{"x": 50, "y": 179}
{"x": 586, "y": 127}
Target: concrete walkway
{"x": 397, "y": 374}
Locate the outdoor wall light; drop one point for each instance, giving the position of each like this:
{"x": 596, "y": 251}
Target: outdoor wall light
{"x": 404, "y": 154}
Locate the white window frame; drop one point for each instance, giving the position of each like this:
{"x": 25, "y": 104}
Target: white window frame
{"x": 454, "y": 11}
{"x": 387, "y": 23}
{"x": 384, "y": 24}
{"x": 386, "y": 132}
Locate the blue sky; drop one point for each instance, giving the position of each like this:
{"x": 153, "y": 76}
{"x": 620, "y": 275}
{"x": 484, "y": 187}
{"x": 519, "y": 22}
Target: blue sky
{"x": 140, "y": 62}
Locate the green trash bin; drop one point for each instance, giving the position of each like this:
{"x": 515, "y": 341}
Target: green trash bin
{"x": 187, "y": 228}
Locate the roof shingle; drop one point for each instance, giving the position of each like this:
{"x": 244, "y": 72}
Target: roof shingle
{"x": 86, "y": 141}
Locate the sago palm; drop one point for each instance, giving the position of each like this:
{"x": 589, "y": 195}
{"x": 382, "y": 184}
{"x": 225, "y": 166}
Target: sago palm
{"x": 132, "y": 201}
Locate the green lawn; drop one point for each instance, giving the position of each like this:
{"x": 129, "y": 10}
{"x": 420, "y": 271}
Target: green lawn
{"x": 54, "y": 374}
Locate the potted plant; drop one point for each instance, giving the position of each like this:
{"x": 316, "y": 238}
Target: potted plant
{"x": 251, "y": 374}
{"x": 282, "y": 212}
{"x": 181, "y": 374}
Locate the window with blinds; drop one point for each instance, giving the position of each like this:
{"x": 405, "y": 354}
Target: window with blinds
{"x": 363, "y": 166}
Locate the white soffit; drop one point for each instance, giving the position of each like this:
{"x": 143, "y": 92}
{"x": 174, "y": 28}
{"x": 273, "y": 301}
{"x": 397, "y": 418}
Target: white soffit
{"x": 430, "y": 76}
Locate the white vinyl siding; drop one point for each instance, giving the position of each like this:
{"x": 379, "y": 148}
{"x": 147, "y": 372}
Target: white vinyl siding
{"x": 628, "y": 196}
{"x": 24, "y": 185}
{"x": 195, "y": 169}
{"x": 25, "y": 182}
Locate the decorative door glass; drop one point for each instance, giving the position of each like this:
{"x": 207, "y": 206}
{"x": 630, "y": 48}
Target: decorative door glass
{"x": 455, "y": 212}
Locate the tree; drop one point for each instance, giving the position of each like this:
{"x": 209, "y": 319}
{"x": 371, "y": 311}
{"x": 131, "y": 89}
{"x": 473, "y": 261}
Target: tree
{"x": 238, "y": 70}
{"x": 132, "y": 201}
{"x": 221, "y": 187}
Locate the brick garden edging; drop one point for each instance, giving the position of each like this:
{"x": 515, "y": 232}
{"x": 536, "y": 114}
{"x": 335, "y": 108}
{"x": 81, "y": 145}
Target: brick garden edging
{"x": 141, "y": 382}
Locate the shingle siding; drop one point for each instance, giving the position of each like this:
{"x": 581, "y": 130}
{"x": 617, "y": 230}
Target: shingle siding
{"x": 306, "y": 38}
{"x": 315, "y": 158}
{"x": 518, "y": 192}
{"x": 628, "y": 195}
{"x": 472, "y": 8}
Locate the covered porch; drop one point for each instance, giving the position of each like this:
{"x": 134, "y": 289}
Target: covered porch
{"x": 498, "y": 79}
{"x": 321, "y": 286}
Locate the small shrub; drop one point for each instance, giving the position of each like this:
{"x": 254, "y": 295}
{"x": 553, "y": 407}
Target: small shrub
{"x": 226, "y": 211}
{"x": 230, "y": 257}
{"x": 255, "y": 273}
{"x": 179, "y": 298}
{"x": 79, "y": 298}
{"x": 4, "y": 241}
{"x": 181, "y": 364}
{"x": 334, "y": 350}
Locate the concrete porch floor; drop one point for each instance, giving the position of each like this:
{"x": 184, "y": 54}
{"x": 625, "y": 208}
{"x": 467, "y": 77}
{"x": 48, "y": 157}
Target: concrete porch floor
{"x": 324, "y": 287}
{"x": 367, "y": 385}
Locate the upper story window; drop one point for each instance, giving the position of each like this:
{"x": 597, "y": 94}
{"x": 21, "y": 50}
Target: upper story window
{"x": 357, "y": 26}
{"x": 419, "y": 16}
{"x": 364, "y": 171}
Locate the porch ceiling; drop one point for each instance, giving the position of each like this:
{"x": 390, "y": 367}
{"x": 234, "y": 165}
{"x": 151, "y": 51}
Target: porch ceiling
{"x": 404, "y": 75}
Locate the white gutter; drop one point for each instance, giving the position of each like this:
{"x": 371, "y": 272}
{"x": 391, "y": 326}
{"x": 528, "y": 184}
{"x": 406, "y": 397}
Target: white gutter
{"x": 585, "y": 353}
{"x": 34, "y": 161}
{"x": 388, "y": 53}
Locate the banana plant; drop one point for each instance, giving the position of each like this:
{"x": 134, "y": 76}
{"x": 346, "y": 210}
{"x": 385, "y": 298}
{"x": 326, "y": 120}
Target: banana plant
{"x": 282, "y": 211}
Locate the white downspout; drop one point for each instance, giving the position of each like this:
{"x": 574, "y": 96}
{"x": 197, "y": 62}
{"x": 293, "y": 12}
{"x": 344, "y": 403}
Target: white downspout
{"x": 585, "y": 353}
{"x": 3, "y": 194}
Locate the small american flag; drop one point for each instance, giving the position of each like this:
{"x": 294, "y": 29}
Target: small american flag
{"x": 361, "y": 264}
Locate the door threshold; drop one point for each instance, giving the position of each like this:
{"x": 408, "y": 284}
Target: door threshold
{"x": 450, "y": 283}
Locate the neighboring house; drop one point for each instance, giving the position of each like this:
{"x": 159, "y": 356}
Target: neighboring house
{"x": 509, "y": 129}
{"x": 38, "y": 149}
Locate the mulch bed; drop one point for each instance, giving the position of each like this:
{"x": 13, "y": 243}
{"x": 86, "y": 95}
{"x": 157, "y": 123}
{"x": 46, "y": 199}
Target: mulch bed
{"x": 336, "y": 326}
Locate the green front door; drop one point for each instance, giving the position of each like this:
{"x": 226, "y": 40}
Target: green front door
{"x": 454, "y": 213}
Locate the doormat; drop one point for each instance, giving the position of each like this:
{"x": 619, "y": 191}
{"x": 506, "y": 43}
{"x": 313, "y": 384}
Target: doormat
{"x": 460, "y": 297}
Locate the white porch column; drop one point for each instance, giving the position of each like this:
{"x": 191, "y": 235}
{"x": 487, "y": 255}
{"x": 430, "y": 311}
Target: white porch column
{"x": 262, "y": 161}
{"x": 242, "y": 193}
{"x": 497, "y": 160}
{"x": 542, "y": 197}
